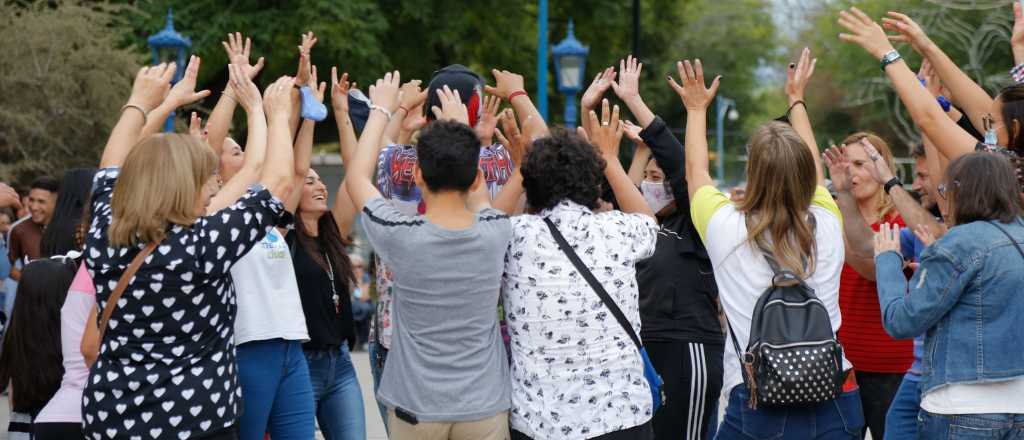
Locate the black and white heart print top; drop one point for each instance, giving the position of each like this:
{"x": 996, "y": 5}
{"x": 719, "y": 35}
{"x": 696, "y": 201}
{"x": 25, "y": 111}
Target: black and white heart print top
{"x": 166, "y": 367}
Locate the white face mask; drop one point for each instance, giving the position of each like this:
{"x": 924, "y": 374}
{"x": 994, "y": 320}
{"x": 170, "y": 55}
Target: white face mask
{"x": 656, "y": 194}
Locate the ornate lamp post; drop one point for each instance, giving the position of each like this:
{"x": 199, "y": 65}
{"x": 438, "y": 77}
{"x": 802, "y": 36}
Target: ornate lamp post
{"x": 570, "y": 66}
{"x": 169, "y": 45}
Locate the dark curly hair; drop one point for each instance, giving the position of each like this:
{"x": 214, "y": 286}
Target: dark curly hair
{"x": 560, "y": 167}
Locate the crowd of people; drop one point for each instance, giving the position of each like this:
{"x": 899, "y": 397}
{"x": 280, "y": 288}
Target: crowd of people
{"x": 524, "y": 283}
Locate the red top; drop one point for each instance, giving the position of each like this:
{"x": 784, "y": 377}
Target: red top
{"x": 864, "y": 340}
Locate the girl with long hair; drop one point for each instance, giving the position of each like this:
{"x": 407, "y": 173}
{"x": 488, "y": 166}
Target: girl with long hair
{"x": 786, "y": 212}
{"x": 31, "y": 362}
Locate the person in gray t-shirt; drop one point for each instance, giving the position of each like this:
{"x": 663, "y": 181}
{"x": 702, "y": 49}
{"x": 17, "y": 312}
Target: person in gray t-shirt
{"x": 446, "y": 371}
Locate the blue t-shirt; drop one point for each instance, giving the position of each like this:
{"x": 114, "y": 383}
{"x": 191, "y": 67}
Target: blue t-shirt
{"x": 911, "y": 248}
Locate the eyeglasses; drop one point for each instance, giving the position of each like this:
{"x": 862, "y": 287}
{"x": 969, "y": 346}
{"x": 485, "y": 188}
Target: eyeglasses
{"x": 943, "y": 188}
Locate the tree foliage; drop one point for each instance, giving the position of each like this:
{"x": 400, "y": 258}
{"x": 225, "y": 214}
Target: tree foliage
{"x": 63, "y": 78}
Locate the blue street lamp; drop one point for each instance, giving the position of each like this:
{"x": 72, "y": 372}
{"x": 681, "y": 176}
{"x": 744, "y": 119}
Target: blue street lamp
{"x": 570, "y": 63}
{"x": 169, "y": 45}
{"x": 724, "y": 107}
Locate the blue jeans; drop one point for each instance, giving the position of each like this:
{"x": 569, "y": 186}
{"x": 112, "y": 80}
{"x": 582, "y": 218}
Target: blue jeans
{"x": 901, "y": 421}
{"x": 276, "y": 393}
{"x": 378, "y": 356}
{"x": 971, "y": 426}
{"x": 339, "y": 401}
{"x": 840, "y": 419}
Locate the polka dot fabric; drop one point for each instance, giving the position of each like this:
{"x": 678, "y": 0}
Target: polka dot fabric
{"x": 798, "y": 375}
{"x": 166, "y": 367}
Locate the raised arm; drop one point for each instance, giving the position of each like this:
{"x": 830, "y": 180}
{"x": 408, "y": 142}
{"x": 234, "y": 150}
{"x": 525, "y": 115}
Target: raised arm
{"x": 408, "y": 93}
{"x": 303, "y": 147}
{"x": 183, "y": 93}
{"x": 339, "y": 102}
{"x": 255, "y": 145}
{"x": 797, "y": 77}
{"x": 912, "y": 212}
{"x": 301, "y": 77}
{"x": 628, "y": 90}
{"x": 696, "y": 98}
{"x": 606, "y": 135}
{"x": 148, "y": 91}
{"x": 384, "y": 95}
{"x": 219, "y": 124}
{"x": 952, "y": 140}
{"x": 1017, "y": 37}
{"x": 488, "y": 123}
{"x": 970, "y": 97}
{"x": 641, "y": 154}
{"x": 507, "y": 84}
{"x": 592, "y": 96}
{"x": 857, "y": 234}
{"x": 280, "y": 160}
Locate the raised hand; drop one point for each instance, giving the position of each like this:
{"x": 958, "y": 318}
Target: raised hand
{"x": 414, "y": 120}
{"x": 592, "y": 96}
{"x": 195, "y": 127}
{"x": 930, "y": 78}
{"x": 628, "y": 86}
{"x": 317, "y": 88}
{"x": 798, "y": 75}
{"x": 881, "y": 171}
{"x": 412, "y": 95}
{"x": 887, "y": 239}
{"x": 909, "y": 31}
{"x": 924, "y": 234}
{"x": 246, "y": 92}
{"x": 512, "y": 138}
{"x": 505, "y": 83}
{"x": 632, "y": 131}
{"x": 488, "y": 122}
{"x": 385, "y": 92}
{"x": 606, "y": 133}
{"x": 339, "y": 91}
{"x": 277, "y": 101}
{"x": 151, "y": 86}
{"x": 838, "y": 168}
{"x": 695, "y": 96}
{"x": 308, "y": 41}
{"x": 184, "y": 92}
{"x": 865, "y": 32}
{"x": 452, "y": 108}
{"x": 238, "y": 53}
{"x": 9, "y": 197}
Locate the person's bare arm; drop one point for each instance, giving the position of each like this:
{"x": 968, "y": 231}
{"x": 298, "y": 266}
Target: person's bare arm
{"x": 183, "y": 93}
{"x": 969, "y": 96}
{"x": 303, "y": 147}
{"x": 279, "y": 167}
{"x": 359, "y": 181}
{"x": 219, "y": 123}
{"x": 914, "y": 215}
{"x": 148, "y": 90}
{"x": 858, "y": 235}
{"x": 592, "y": 96}
{"x": 641, "y": 154}
{"x": 339, "y": 103}
{"x": 90, "y": 345}
{"x": 696, "y": 98}
{"x": 953, "y": 141}
{"x": 797, "y": 77}
{"x": 606, "y": 134}
{"x": 508, "y": 83}
{"x": 256, "y": 143}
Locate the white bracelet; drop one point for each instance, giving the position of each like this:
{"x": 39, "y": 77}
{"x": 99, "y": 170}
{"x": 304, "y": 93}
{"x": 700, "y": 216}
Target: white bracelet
{"x": 382, "y": 110}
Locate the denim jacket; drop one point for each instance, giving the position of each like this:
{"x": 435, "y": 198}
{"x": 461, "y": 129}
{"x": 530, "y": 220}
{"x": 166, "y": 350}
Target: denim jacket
{"x": 966, "y": 296}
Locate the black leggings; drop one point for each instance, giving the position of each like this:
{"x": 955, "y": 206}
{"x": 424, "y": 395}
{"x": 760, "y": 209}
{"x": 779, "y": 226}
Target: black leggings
{"x": 642, "y": 432}
{"x": 693, "y": 382}
{"x": 57, "y": 431}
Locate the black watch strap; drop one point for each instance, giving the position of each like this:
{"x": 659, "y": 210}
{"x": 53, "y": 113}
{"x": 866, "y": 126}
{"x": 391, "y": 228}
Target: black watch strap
{"x": 895, "y": 181}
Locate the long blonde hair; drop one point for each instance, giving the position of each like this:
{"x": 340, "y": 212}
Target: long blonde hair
{"x": 781, "y": 180}
{"x": 883, "y": 204}
{"x": 159, "y": 184}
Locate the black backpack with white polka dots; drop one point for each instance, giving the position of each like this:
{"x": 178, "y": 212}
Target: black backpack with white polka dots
{"x": 793, "y": 357}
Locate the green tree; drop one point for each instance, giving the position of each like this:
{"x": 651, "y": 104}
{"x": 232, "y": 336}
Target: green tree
{"x": 63, "y": 78}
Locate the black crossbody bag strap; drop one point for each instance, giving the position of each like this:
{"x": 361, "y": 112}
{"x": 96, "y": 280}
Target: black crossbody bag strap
{"x": 594, "y": 283}
{"x": 1012, "y": 240}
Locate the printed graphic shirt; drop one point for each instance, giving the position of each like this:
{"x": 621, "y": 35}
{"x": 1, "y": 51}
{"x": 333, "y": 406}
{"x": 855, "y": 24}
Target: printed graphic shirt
{"x": 576, "y": 373}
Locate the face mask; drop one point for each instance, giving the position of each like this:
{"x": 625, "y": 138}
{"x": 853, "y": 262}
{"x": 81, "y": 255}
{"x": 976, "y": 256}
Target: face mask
{"x": 656, "y": 194}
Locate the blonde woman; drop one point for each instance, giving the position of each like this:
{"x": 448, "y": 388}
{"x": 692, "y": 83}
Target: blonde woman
{"x": 167, "y": 361}
{"x": 786, "y": 211}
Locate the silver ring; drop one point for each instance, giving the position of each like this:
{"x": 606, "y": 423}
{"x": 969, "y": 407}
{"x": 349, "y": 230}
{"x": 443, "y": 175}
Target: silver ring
{"x": 604, "y": 124}
{"x": 873, "y": 157}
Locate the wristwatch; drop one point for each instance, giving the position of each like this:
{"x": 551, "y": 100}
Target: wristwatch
{"x": 891, "y": 57}
{"x": 895, "y": 181}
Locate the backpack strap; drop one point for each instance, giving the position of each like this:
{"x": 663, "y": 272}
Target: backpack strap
{"x": 122, "y": 284}
{"x": 594, "y": 283}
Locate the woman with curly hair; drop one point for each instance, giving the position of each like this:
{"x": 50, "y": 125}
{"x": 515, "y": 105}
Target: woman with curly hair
{"x": 574, "y": 367}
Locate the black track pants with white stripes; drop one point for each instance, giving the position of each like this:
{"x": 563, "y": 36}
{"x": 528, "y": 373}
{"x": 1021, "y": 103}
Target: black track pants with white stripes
{"x": 693, "y": 381}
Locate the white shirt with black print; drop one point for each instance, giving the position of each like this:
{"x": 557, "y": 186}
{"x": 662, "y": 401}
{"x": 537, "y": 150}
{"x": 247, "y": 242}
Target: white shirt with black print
{"x": 576, "y": 374}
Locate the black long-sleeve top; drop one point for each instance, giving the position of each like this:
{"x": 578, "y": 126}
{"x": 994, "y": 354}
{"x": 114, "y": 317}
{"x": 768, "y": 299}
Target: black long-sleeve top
{"x": 678, "y": 294}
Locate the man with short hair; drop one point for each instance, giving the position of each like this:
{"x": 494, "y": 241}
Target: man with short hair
{"x": 26, "y": 235}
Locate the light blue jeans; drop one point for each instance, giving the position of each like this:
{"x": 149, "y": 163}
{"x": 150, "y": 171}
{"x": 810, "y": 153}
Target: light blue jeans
{"x": 901, "y": 421}
{"x": 339, "y": 400}
{"x": 276, "y": 393}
